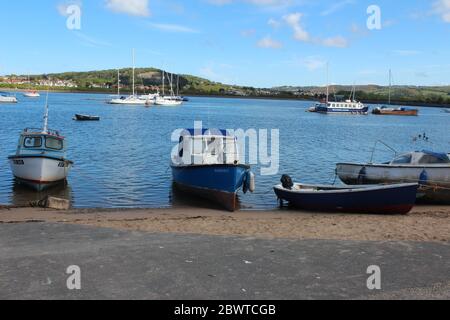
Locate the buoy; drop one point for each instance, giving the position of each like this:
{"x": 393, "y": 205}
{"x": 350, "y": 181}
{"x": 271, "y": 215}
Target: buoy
{"x": 423, "y": 179}
{"x": 252, "y": 182}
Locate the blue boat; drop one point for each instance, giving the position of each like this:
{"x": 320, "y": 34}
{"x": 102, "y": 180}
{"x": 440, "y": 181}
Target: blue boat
{"x": 207, "y": 165}
{"x": 347, "y": 107}
{"x": 373, "y": 199}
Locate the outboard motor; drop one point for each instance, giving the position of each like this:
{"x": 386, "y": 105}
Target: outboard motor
{"x": 286, "y": 181}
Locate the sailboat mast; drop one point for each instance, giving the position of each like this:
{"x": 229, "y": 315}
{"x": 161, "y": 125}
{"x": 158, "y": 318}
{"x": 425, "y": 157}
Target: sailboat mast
{"x": 328, "y": 88}
{"x": 118, "y": 82}
{"x": 45, "y": 129}
{"x": 171, "y": 85}
{"x": 163, "y": 78}
{"x": 133, "y": 73}
{"x": 390, "y": 84}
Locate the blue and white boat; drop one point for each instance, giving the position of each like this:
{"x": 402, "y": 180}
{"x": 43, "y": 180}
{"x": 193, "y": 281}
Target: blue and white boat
{"x": 347, "y": 107}
{"x": 40, "y": 161}
{"x": 207, "y": 165}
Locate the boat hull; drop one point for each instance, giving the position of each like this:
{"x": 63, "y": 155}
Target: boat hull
{"x": 390, "y": 199}
{"x": 80, "y": 117}
{"x": 40, "y": 172}
{"x": 8, "y": 100}
{"x": 396, "y": 113}
{"x": 434, "y": 180}
{"x": 218, "y": 183}
{"x": 129, "y": 102}
{"x": 348, "y": 111}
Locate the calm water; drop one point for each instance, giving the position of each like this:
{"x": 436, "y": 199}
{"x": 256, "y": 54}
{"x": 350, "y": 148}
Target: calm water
{"x": 123, "y": 160}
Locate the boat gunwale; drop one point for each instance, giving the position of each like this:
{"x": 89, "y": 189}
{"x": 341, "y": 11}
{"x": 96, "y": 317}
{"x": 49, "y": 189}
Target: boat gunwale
{"x": 396, "y": 166}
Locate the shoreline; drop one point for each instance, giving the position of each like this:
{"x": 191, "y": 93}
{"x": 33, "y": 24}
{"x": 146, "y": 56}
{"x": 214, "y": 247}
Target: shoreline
{"x": 424, "y": 223}
{"x": 381, "y": 102}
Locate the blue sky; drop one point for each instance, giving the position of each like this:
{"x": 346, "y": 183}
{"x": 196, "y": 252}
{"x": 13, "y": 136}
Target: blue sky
{"x": 260, "y": 43}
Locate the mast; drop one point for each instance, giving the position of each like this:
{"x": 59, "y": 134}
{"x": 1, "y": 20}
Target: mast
{"x": 118, "y": 82}
{"x": 171, "y": 85}
{"x": 45, "y": 129}
{"x": 328, "y": 88}
{"x": 163, "y": 78}
{"x": 133, "y": 73}
{"x": 390, "y": 85}
{"x": 178, "y": 85}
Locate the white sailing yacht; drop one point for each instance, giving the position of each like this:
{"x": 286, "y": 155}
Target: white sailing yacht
{"x": 171, "y": 100}
{"x": 130, "y": 100}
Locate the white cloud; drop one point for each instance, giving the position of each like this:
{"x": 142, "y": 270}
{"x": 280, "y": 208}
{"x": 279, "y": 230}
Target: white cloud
{"x": 248, "y": 32}
{"x": 138, "y": 8}
{"x": 406, "y": 53}
{"x": 62, "y": 7}
{"x": 313, "y": 63}
{"x": 268, "y": 42}
{"x": 261, "y": 3}
{"x": 442, "y": 8}
{"x": 294, "y": 21}
{"x": 274, "y": 23}
{"x": 172, "y": 28}
{"x": 337, "y": 42}
{"x": 336, "y": 6}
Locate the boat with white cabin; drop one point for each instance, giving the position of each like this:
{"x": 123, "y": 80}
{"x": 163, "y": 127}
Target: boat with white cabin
{"x": 430, "y": 169}
{"x": 7, "y": 98}
{"x": 40, "y": 161}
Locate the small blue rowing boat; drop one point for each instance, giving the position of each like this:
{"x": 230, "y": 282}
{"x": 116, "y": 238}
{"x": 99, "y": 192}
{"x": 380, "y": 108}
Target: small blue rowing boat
{"x": 207, "y": 165}
{"x": 375, "y": 199}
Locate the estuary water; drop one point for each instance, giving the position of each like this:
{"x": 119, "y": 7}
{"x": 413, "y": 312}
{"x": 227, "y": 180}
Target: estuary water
{"x": 123, "y": 160}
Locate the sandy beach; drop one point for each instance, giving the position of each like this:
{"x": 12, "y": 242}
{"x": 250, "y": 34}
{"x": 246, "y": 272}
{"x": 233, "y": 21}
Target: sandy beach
{"x": 424, "y": 223}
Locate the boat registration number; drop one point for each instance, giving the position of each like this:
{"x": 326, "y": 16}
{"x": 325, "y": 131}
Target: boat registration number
{"x": 18, "y": 162}
{"x": 63, "y": 164}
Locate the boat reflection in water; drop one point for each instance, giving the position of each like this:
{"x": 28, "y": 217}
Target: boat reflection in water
{"x": 22, "y": 195}
{"x": 180, "y": 199}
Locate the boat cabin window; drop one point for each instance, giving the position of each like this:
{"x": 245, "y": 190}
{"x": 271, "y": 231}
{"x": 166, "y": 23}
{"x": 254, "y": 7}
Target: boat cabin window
{"x": 405, "y": 159}
{"x": 53, "y": 143}
{"x": 430, "y": 159}
{"x": 181, "y": 147}
{"x": 32, "y": 142}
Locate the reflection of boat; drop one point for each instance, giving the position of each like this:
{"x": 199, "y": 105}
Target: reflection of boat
{"x": 83, "y": 117}
{"x": 207, "y": 165}
{"x": 381, "y": 199}
{"x": 130, "y": 100}
{"x": 40, "y": 160}
{"x": 431, "y": 170}
{"x": 395, "y": 111}
{"x": 7, "y": 98}
{"x": 22, "y": 195}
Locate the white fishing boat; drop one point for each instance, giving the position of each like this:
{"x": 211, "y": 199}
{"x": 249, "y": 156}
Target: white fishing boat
{"x": 430, "y": 169}
{"x": 129, "y": 100}
{"x": 40, "y": 160}
{"x": 7, "y": 98}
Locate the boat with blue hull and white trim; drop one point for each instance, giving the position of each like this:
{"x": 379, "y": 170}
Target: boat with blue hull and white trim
{"x": 347, "y": 107}
{"x": 375, "y": 199}
{"x": 40, "y": 161}
{"x": 207, "y": 165}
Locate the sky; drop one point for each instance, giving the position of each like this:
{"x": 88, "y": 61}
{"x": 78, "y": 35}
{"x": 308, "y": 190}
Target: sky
{"x": 260, "y": 43}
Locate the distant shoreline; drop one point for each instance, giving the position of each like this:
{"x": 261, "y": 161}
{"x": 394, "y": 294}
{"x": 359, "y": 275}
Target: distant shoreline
{"x": 286, "y": 98}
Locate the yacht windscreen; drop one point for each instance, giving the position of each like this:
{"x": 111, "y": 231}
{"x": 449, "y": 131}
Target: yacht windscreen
{"x": 32, "y": 142}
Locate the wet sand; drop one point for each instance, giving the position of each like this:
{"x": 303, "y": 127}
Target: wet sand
{"x": 424, "y": 223}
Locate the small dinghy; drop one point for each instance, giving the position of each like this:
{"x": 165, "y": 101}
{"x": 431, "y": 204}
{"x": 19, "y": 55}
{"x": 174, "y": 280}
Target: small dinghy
{"x": 373, "y": 199}
{"x": 84, "y": 117}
